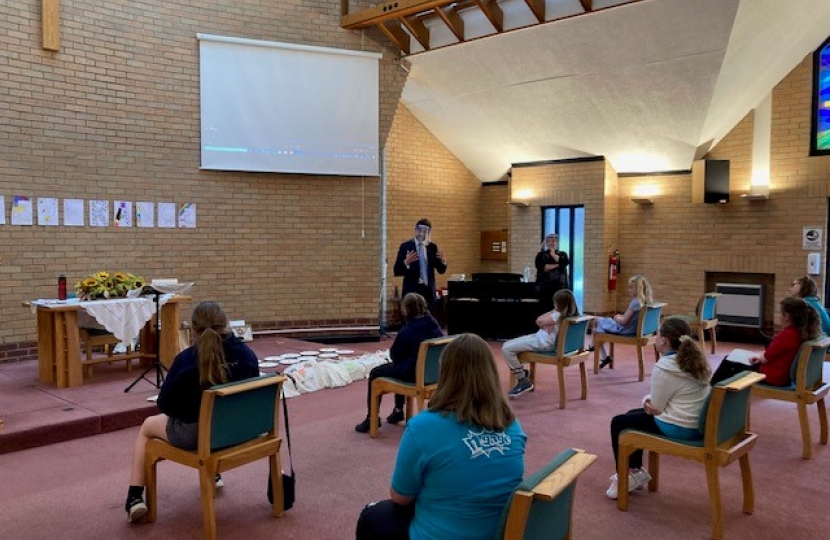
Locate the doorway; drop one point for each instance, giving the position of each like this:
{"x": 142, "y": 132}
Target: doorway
{"x": 569, "y": 223}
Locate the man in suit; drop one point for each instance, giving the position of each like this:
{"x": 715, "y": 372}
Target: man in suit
{"x": 417, "y": 261}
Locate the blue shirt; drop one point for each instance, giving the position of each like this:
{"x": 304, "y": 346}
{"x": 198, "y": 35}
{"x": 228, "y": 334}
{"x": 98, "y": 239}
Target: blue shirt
{"x": 460, "y": 475}
{"x": 822, "y": 313}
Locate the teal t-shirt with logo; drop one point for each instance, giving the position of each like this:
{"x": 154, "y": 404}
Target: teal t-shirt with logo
{"x": 460, "y": 475}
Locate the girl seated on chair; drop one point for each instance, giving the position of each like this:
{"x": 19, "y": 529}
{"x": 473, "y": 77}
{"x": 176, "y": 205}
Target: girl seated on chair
{"x": 420, "y": 325}
{"x": 799, "y": 323}
{"x": 216, "y": 357}
{"x": 625, "y": 323}
{"x": 564, "y": 305}
{"x": 458, "y": 462}
{"x": 679, "y": 388}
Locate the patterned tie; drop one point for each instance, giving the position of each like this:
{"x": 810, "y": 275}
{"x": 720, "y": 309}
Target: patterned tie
{"x": 422, "y": 260}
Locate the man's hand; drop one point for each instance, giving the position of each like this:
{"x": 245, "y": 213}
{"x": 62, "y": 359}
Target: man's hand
{"x": 411, "y": 257}
{"x": 441, "y": 256}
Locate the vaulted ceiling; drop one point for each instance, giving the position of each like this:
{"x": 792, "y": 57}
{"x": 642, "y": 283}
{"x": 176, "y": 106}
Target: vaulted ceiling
{"x": 649, "y": 84}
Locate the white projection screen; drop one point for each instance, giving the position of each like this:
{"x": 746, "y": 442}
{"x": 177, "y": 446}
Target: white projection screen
{"x": 279, "y": 107}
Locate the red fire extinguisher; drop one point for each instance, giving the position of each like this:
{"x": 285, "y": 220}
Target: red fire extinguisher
{"x": 613, "y": 270}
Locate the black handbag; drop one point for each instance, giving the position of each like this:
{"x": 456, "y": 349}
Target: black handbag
{"x": 288, "y": 480}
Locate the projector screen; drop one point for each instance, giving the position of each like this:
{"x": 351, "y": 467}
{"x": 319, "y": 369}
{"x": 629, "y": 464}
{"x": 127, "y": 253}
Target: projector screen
{"x": 279, "y": 107}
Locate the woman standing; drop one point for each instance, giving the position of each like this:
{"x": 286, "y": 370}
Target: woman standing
{"x": 217, "y": 357}
{"x": 551, "y": 271}
{"x": 458, "y": 461}
{"x": 679, "y": 388}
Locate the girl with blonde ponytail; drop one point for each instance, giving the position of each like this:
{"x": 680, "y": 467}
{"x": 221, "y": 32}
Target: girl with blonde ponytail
{"x": 216, "y": 357}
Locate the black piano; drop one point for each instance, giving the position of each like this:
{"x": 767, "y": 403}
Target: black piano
{"x": 494, "y": 306}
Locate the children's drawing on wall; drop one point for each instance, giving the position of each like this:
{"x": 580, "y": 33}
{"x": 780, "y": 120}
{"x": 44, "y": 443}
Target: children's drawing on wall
{"x": 187, "y": 216}
{"x": 73, "y": 212}
{"x": 167, "y": 215}
{"x": 99, "y": 213}
{"x": 47, "y": 212}
{"x": 145, "y": 214}
{"x": 123, "y": 212}
{"x": 21, "y": 210}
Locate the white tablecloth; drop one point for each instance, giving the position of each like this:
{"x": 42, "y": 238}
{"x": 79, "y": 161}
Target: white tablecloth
{"x": 124, "y": 317}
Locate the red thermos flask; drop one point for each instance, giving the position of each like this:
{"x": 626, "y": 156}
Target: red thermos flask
{"x": 61, "y": 287}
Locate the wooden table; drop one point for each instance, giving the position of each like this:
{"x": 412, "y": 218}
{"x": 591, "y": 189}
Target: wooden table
{"x": 59, "y": 343}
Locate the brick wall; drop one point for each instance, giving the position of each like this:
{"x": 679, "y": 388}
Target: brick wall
{"x": 114, "y": 115}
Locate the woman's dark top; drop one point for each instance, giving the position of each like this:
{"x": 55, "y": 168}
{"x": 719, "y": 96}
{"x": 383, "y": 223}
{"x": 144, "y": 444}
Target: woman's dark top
{"x": 181, "y": 394}
{"x": 404, "y": 350}
{"x": 553, "y": 279}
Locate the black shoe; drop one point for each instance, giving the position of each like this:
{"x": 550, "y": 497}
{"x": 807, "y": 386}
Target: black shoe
{"x": 591, "y": 348}
{"x": 136, "y": 509}
{"x": 395, "y": 417}
{"x": 605, "y": 362}
{"x": 364, "y": 426}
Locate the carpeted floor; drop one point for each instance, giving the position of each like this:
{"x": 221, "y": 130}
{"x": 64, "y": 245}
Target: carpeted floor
{"x": 76, "y": 489}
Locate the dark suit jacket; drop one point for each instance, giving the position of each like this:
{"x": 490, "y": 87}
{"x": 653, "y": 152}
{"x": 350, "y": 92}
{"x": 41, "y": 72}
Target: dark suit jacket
{"x": 413, "y": 274}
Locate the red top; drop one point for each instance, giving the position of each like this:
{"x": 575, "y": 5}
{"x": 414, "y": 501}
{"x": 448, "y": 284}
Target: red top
{"x": 780, "y": 354}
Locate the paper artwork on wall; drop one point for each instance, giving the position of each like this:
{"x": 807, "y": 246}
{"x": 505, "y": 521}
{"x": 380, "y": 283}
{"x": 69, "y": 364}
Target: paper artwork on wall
{"x": 187, "y": 216}
{"x": 73, "y": 212}
{"x": 47, "y": 211}
{"x": 99, "y": 213}
{"x": 123, "y": 212}
{"x": 167, "y": 215}
{"x": 2, "y": 210}
{"x": 145, "y": 214}
{"x": 21, "y": 210}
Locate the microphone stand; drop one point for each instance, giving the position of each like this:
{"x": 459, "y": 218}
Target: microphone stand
{"x": 157, "y": 289}
{"x": 156, "y": 366}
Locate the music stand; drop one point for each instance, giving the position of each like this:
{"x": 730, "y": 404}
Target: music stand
{"x": 157, "y": 289}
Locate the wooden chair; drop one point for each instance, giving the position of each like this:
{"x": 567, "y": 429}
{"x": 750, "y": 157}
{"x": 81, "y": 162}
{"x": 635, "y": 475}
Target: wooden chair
{"x": 705, "y": 318}
{"x": 808, "y": 389}
{"x": 570, "y": 350}
{"x": 91, "y": 339}
{"x": 426, "y": 381}
{"x": 648, "y": 323}
{"x": 541, "y": 507}
{"x": 238, "y": 424}
{"x": 725, "y": 439}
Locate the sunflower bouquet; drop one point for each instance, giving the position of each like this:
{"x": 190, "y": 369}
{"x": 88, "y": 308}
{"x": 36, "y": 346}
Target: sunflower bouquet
{"x": 105, "y": 285}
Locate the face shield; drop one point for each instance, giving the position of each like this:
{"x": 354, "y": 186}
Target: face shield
{"x": 422, "y": 234}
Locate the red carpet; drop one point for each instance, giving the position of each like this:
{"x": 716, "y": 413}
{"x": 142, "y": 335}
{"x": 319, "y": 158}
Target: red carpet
{"x": 76, "y": 489}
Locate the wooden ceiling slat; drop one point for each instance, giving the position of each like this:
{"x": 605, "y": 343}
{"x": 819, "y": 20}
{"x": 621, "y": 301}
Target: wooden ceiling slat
{"x": 418, "y": 30}
{"x": 388, "y": 10}
{"x": 493, "y": 12}
{"x": 453, "y": 20}
{"x": 538, "y": 9}
{"x": 587, "y": 5}
{"x": 398, "y": 35}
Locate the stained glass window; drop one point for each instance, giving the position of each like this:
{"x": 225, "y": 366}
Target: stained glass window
{"x": 821, "y": 100}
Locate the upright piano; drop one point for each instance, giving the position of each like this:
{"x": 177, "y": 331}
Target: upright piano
{"x": 494, "y": 306}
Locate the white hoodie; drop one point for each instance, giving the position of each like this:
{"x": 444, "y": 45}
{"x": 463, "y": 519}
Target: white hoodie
{"x": 677, "y": 394}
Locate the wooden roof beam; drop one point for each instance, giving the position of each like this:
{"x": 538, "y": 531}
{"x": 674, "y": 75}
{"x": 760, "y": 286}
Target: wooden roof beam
{"x": 538, "y": 9}
{"x": 398, "y": 35}
{"x": 453, "y": 21}
{"x": 418, "y": 30}
{"x": 493, "y": 12}
{"x": 389, "y": 10}
{"x": 587, "y": 5}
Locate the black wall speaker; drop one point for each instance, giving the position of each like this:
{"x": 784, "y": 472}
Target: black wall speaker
{"x": 710, "y": 181}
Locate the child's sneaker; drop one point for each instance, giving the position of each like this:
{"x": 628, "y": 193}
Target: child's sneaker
{"x": 218, "y": 481}
{"x": 136, "y": 509}
{"x": 636, "y": 480}
{"x": 524, "y": 385}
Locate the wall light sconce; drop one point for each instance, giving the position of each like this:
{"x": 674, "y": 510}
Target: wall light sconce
{"x": 642, "y": 201}
{"x": 519, "y": 204}
{"x": 756, "y": 193}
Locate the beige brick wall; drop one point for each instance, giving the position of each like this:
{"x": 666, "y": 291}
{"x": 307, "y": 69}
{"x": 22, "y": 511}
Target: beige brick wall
{"x": 495, "y": 216}
{"x": 115, "y": 115}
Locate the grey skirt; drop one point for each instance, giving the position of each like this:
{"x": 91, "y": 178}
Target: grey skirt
{"x": 182, "y": 435}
